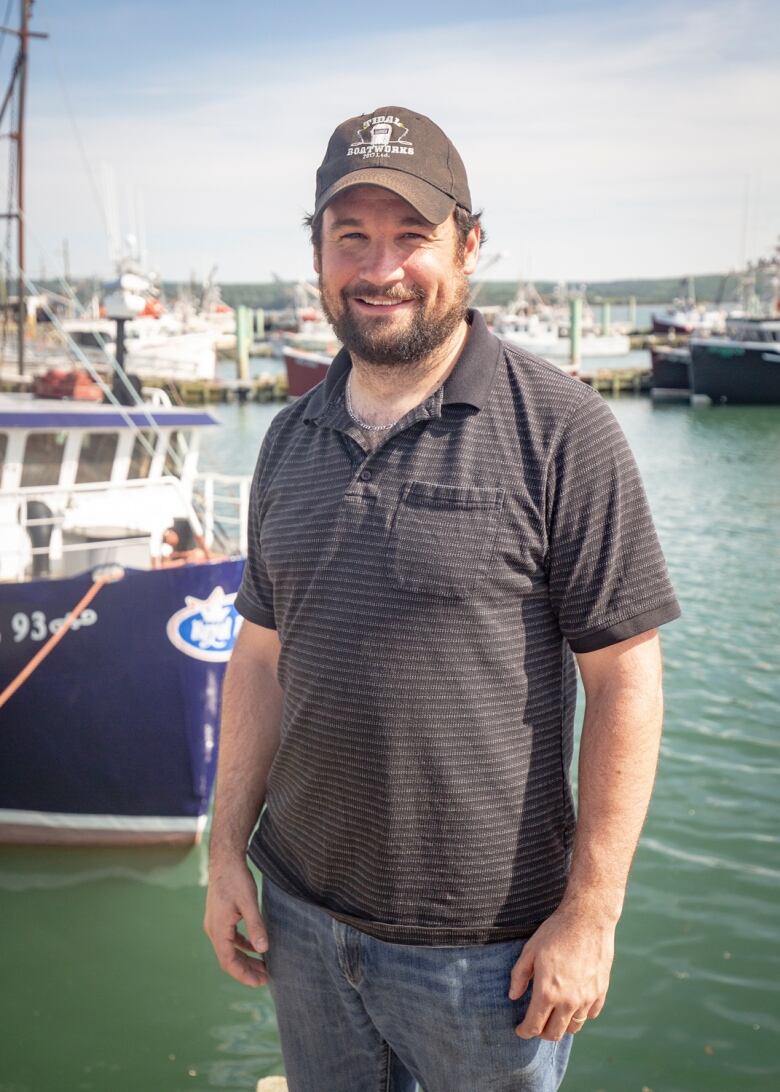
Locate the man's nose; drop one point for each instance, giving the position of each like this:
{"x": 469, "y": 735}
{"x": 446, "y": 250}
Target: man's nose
{"x": 382, "y": 263}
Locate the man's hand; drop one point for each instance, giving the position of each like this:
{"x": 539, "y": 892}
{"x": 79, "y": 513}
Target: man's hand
{"x": 232, "y": 898}
{"x": 569, "y": 958}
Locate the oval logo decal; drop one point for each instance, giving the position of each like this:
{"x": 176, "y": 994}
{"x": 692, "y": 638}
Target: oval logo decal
{"x": 206, "y": 629}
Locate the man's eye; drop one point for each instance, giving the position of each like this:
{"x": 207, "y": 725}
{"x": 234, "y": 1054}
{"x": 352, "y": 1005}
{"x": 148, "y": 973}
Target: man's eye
{"x": 353, "y": 235}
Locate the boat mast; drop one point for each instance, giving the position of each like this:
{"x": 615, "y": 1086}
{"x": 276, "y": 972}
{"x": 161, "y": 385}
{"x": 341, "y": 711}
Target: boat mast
{"x": 19, "y": 77}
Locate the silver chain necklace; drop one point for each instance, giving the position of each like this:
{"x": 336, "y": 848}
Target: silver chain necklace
{"x": 360, "y": 423}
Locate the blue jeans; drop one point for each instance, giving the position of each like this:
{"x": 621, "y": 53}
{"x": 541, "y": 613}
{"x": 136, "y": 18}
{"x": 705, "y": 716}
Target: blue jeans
{"x": 357, "y": 1014}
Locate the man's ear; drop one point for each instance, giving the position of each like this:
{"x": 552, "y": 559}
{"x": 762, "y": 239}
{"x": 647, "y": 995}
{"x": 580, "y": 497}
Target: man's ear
{"x": 316, "y": 261}
{"x": 471, "y": 250}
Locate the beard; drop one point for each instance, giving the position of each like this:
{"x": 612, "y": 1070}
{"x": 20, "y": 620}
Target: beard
{"x": 382, "y": 343}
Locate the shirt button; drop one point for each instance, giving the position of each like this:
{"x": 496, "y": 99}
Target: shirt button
{"x": 366, "y": 475}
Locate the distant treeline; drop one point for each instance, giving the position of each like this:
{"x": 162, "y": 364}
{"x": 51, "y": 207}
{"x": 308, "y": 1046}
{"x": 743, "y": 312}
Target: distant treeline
{"x": 714, "y": 287}
{"x": 276, "y": 295}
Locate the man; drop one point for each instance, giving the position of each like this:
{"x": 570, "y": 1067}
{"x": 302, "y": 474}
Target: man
{"x": 437, "y": 530}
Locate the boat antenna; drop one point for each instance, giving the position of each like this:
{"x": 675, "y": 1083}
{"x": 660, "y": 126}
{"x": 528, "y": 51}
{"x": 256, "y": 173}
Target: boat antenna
{"x": 18, "y": 82}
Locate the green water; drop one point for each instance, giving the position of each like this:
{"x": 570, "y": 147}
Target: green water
{"x": 108, "y": 982}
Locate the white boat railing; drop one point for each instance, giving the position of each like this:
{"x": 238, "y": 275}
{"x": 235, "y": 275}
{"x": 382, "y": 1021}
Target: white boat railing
{"x": 221, "y": 502}
{"x": 78, "y": 519}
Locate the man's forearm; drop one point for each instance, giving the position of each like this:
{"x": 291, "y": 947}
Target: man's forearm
{"x": 618, "y": 759}
{"x": 249, "y": 738}
{"x": 570, "y": 955}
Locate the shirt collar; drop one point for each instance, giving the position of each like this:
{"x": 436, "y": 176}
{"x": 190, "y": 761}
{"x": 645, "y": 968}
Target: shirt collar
{"x": 469, "y": 381}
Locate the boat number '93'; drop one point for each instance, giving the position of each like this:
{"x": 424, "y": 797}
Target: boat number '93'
{"x": 206, "y": 629}
{"x": 36, "y": 627}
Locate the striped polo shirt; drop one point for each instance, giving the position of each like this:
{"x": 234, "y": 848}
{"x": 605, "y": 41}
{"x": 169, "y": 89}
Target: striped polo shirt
{"x": 428, "y": 595}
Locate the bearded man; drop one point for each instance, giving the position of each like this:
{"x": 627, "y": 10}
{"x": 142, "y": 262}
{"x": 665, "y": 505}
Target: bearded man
{"x": 437, "y": 532}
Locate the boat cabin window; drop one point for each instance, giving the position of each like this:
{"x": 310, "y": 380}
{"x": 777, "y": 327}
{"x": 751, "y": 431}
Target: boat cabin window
{"x": 141, "y": 457}
{"x": 96, "y": 457}
{"x": 178, "y": 445}
{"x": 90, "y": 339}
{"x": 42, "y": 458}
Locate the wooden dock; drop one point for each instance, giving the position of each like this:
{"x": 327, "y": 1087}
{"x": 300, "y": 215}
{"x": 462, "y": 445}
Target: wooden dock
{"x": 200, "y": 392}
{"x": 617, "y": 381}
{"x": 612, "y": 382}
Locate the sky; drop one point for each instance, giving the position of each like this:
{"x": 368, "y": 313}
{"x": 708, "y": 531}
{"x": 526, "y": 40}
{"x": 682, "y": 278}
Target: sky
{"x": 602, "y": 139}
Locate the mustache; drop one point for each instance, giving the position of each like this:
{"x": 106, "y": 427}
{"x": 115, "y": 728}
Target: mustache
{"x": 365, "y": 291}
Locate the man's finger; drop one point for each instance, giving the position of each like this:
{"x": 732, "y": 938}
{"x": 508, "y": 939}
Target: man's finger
{"x": 520, "y": 976}
{"x": 576, "y": 1023}
{"x": 249, "y": 970}
{"x": 243, "y": 943}
{"x": 245, "y": 968}
{"x": 536, "y": 1018}
{"x": 558, "y": 1023}
{"x": 254, "y": 925}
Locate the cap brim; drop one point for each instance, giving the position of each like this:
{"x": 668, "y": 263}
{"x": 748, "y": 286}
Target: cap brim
{"x": 431, "y": 203}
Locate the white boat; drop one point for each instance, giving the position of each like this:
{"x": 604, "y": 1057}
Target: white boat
{"x": 549, "y": 338}
{"x": 688, "y": 319}
{"x": 685, "y": 316}
{"x": 542, "y": 328}
{"x": 155, "y": 348}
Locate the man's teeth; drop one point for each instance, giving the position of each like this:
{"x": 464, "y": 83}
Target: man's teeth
{"x": 383, "y": 303}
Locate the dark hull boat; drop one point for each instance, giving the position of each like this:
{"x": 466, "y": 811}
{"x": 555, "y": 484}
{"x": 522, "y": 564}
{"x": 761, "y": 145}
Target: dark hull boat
{"x": 119, "y": 563}
{"x": 304, "y": 370}
{"x": 738, "y": 371}
{"x": 113, "y": 739}
{"x": 670, "y": 379}
{"x": 671, "y": 324}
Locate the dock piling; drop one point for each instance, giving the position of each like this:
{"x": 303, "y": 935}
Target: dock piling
{"x": 575, "y": 332}
{"x": 243, "y": 341}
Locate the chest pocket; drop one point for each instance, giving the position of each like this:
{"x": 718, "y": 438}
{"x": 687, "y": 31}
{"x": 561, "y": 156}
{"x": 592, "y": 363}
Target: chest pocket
{"x": 442, "y": 537}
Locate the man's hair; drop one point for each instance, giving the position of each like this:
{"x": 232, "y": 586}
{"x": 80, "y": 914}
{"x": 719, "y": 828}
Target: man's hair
{"x": 464, "y": 222}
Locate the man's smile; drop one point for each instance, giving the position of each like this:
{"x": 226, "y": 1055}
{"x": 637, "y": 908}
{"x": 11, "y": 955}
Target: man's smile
{"x": 376, "y": 304}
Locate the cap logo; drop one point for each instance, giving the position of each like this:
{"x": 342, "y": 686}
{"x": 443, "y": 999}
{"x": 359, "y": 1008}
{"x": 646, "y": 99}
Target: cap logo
{"x": 381, "y": 136}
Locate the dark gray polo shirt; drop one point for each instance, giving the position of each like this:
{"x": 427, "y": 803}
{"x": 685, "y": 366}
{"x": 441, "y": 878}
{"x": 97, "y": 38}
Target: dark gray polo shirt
{"x": 428, "y": 596}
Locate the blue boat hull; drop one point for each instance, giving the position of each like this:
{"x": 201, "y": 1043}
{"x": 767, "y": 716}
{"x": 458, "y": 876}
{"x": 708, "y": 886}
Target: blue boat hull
{"x": 114, "y": 736}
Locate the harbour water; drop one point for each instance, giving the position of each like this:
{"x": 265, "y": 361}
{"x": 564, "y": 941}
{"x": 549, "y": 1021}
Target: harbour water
{"x": 108, "y": 981}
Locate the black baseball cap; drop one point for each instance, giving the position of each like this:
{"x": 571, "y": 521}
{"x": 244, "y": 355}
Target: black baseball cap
{"x": 400, "y": 150}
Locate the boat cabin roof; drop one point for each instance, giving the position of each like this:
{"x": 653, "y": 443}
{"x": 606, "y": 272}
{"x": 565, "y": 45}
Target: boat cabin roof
{"x": 24, "y": 411}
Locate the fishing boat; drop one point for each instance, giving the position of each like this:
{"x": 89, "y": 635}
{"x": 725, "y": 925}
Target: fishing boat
{"x": 120, "y": 562}
{"x": 156, "y": 347}
{"x": 682, "y": 320}
{"x": 743, "y": 367}
{"x": 304, "y": 370}
{"x": 309, "y": 346}
{"x": 687, "y": 317}
{"x": 549, "y": 337}
{"x": 541, "y": 327}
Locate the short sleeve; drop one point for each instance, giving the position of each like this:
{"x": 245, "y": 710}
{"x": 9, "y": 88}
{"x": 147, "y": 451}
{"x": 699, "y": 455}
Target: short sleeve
{"x": 255, "y": 599}
{"x": 606, "y": 571}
